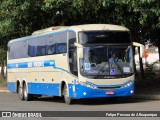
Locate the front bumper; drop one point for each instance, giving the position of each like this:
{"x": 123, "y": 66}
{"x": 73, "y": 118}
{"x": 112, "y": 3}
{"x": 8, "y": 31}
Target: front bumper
{"x": 78, "y": 91}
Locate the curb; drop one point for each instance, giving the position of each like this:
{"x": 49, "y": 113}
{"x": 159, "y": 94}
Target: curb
{"x": 146, "y": 97}
{"x": 4, "y": 91}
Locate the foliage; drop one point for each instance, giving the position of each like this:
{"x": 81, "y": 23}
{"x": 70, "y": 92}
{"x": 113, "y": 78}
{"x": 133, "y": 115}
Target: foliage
{"x": 2, "y": 54}
{"x": 150, "y": 68}
{"x": 3, "y": 83}
{"x": 2, "y": 63}
{"x": 21, "y": 18}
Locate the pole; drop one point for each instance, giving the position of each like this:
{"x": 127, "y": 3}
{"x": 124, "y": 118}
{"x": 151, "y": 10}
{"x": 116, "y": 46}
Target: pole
{"x": 141, "y": 64}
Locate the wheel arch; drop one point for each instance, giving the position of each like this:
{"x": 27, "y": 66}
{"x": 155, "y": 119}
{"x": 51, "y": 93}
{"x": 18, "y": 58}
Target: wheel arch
{"x": 63, "y": 83}
{"x": 17, "y": 85}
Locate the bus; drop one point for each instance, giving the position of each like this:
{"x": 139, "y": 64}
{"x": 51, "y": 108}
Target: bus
{"x": 72, "y": 62}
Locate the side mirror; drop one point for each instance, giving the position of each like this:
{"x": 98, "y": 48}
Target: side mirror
{"x": 80, "y": 52}
{"x": 141, "y": 48}
{"x": 78, "y": 45}
{"x": 80, "y": 49}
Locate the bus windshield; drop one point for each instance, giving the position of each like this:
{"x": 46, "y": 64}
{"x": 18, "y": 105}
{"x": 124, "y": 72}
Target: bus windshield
{"x": 106, "y": 61}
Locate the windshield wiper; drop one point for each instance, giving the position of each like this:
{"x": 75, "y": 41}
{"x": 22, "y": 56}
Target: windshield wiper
{"x": 100, "y": 69}
{"x": 119, "y": 68}
{"x": 109, "y": 65}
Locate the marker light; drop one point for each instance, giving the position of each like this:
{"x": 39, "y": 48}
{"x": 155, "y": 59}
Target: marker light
{"x": 131, "y": 91}
{"x": 84, "y": 93}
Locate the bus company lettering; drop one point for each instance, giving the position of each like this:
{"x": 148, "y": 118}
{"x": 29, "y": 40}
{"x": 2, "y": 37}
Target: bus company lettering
{"x": 38, "y": 64}
{"x": 35, "y": 64}
{"x": 41, "y": 63}
{"x": 52, "y": 63}
{"x": 30, "y": 65}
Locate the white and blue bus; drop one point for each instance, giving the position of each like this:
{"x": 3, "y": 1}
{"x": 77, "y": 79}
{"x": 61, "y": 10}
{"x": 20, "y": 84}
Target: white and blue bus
{"x": 72, "y": 62}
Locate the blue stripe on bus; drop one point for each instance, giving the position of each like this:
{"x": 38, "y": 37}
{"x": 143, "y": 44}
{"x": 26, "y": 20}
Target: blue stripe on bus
{"x": 51, "y": 89}
{"x": 11, "y": 86}
{"x": 35, "y": 64}
{"x": 42, "y": 35}
{"x": 62, "y": 69}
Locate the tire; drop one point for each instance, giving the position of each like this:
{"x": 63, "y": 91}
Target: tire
{"x": 67, "y": 99}
{"x": 20, "y": 93}
{"x": 27, "y": 97}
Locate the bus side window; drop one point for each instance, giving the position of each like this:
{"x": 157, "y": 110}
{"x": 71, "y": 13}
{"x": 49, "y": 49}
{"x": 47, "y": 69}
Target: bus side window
{"x": 50, "y": 49}
{"x": 40, "y": 51}
{"x": 61, "y": 48}
{"x": 128, "y": 55}
{"x": 32, "y": 50}
{"x": 72, "y": 54}
{"x": 73, "y": 61}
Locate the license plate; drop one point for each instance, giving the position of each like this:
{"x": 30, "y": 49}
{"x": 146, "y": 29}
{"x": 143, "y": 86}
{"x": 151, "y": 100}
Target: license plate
{"x": 110, "y": 92}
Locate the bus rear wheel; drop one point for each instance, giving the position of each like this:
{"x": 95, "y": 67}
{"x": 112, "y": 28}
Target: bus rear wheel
{"x": 27, "y": 96}
{"x": 20, "y": 93}
{"x": 67, "y": 99}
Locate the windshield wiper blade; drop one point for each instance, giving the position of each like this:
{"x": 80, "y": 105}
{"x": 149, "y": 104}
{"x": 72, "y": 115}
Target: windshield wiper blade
{"x": 100, "y": 69}
{"x": 119, "y": 68}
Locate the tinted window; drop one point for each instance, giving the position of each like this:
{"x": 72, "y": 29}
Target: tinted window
{"x": 18, "y": 50}
{"x": 39, "y": 46}
{"x": 104, "y": 37}
{"x": 73, "y": 53}
{"x": 61, "y": 48}
{"x": 50, "y": 49}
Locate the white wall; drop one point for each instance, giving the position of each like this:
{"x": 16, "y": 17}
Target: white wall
{"x": 150, "y": 59}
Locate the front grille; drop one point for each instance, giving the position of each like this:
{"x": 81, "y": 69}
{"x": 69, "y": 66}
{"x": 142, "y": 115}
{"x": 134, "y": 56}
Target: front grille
{"x": 109, "y": 87}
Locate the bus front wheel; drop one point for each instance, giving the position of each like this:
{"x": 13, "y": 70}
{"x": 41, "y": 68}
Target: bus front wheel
{"x": 67, "y": 99}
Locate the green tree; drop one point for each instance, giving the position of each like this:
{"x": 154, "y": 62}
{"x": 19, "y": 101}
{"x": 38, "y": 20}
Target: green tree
{"x": 20, "y": 18}
{"x": 2, "y": 62}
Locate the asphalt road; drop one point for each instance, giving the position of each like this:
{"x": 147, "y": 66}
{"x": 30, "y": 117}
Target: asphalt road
{"x": 10, "y": 102}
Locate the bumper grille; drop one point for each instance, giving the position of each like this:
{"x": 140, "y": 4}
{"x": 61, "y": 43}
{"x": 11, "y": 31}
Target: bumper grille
{"x": 109, "y": 87}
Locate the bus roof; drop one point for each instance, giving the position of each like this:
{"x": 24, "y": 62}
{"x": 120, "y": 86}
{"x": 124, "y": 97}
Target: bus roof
{"x": 92, "y": 27}
{"x": 85, "y": 27}
{"x": 50, "y": 29}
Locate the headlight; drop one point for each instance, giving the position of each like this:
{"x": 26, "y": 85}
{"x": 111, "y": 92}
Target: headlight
{"x": 127, "y": 84}
{"x": 89, "y": 85}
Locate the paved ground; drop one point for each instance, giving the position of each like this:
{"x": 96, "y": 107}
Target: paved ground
{"x": 148, "y": 87}
{"x": 10, "y": 102}
{"x": 3, "y": 89}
